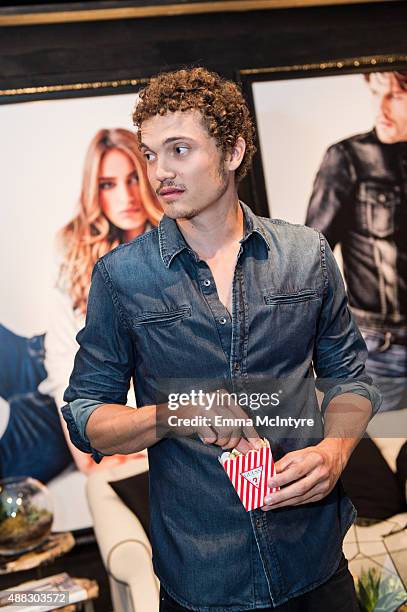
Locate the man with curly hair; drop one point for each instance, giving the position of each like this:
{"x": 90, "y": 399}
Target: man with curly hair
{"x": 221, "y": 298}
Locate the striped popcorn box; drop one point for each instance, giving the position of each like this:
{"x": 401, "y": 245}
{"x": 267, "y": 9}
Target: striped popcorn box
{"x": 249, "y": 474}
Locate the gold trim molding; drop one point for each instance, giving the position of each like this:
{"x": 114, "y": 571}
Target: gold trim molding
{"x": 368, "y": 61}
{"x": 164, "y": 10}
{"x": 21, "y": 91}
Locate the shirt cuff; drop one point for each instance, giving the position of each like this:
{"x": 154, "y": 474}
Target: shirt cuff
{"x": 76, "y": 415}
{"x": 367, "y": 390}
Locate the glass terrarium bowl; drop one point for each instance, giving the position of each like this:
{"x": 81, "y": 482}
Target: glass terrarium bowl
{"x": 26, "y": 514}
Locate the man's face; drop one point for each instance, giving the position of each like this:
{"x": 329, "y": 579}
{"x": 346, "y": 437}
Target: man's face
{"x": 184, "y": 166}
{"x": 390, "y": 105}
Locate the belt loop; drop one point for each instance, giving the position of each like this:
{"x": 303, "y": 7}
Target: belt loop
{"x": 386, "y": 344}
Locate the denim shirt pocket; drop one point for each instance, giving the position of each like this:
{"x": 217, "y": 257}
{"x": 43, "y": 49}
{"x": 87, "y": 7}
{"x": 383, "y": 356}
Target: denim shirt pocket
{"x": 291, "y": 319}
{"x": 158, "y": 328}
{"x": 304, "y": 295}
{"x": 162, "y": 317}
{"x": 378, "y": 207}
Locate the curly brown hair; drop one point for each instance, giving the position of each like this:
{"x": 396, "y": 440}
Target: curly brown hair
{"x": 220, "y": 102}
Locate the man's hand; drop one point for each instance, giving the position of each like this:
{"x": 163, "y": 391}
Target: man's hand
{"x": 227, "y": 426}
{"x": 241, "y": 437}
{"x": 306, "y": 475}
{"x": 309, "y": 474}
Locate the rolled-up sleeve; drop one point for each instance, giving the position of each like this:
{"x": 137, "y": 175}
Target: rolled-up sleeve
{"x": 76, "y": 415}
{"x": 340, "y": 352}
{"x": 104, "y": 363}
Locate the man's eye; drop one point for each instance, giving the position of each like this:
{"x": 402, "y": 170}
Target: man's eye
{"x": 181, "y": 150}
{"x": 149, "y": 157}
{"x": 106, "y": 185}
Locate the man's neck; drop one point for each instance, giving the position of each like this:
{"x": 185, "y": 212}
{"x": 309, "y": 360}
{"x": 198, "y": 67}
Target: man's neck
{"x": 214, "y": 229}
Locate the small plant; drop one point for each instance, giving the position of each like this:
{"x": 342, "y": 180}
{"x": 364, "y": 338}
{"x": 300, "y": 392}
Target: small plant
{"x": 22, "y": 525}
{"x": 379, "y": 593}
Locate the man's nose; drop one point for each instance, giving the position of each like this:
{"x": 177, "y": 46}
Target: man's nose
{"x": 163, "y": 171}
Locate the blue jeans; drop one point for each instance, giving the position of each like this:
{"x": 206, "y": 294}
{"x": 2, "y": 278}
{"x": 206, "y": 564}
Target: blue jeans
{"x": 33, "y": 443}
{"x": 387, "y": 365}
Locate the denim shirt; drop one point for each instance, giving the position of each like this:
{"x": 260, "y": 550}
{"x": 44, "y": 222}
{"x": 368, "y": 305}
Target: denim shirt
{"x": 154, "y": 315}
{"x": 359, "y": 200}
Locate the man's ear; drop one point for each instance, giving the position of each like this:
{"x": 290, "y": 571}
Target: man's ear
{"x": 237, "y": 153}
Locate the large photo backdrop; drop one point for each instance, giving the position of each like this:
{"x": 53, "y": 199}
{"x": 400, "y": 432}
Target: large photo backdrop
{"x": 71, "y": 165}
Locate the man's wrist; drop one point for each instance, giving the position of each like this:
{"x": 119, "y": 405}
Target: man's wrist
{"x": 162, "y": 424}
{"x": 340, "y": 448}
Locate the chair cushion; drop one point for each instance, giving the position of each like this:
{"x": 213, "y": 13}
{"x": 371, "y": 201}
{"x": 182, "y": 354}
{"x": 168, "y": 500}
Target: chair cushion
{"x": 371, "y": 485}
{"x": 134, "y": 493}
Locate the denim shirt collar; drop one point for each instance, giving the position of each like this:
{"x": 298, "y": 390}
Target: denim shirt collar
{"x": 172, "y": 241}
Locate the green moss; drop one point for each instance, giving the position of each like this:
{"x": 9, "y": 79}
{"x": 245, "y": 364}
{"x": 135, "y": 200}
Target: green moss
{"x": 29, "y": 525}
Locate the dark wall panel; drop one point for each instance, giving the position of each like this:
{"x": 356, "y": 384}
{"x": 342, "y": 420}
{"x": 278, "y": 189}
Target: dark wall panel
{"x": 60, "y": 53}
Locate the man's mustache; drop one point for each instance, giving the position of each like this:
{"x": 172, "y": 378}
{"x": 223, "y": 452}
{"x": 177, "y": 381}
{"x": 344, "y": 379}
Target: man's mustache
{"x": 170, "y": 185}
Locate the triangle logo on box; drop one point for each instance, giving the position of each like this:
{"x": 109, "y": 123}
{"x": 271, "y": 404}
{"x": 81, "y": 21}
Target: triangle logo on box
{"x": 251, "y": 484}
{"x": 253, "y": 476}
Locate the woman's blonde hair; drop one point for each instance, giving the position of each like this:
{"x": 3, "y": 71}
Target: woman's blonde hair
{"x": 90, "y": 235}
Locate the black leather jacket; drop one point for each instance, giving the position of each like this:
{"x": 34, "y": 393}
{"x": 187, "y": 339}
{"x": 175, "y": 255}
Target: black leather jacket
{"x": 359, "y": 200}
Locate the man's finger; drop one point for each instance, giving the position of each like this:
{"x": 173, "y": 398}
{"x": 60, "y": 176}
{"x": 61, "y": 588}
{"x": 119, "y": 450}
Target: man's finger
{"x": 254, "y": 438}
{"x": 296, "y": 457}
{"x": 237, "y": 412}
{"x": 244, "y": 446}
{"x": 314, "y": 494}
{"x": 207, "y": 435}
{"x": 223, "y": 441}
{"x": 234, "y": 439}
{"x": 293, "y": 472}
{"x": 314, "y": 498}
{"x": 296, "y": 489}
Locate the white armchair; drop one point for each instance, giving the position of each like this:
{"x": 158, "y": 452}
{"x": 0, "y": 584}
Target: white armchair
{"x": 123, "y": 544}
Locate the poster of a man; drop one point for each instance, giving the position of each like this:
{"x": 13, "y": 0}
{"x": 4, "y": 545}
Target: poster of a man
{"x": 358, "y": 201}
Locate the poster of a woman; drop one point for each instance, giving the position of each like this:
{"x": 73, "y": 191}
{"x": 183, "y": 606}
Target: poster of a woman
{"x": 111, "y": 203}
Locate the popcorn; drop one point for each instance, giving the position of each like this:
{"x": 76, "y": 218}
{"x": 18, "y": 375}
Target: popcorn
{"x": 250, "y": 473}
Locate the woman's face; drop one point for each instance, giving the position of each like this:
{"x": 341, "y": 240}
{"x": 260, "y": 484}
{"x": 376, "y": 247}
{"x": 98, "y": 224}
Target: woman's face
{"x": 119, "y": 193}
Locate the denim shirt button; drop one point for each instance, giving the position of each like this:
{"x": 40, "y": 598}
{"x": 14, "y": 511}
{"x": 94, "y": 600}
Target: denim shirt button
{"x": 236, "y": 367}
{"x": 206, "y": 282}
{"x": 222, "y": 320}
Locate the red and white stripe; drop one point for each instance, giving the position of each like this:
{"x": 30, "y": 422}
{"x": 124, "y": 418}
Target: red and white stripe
{"x": 252, "y": 497}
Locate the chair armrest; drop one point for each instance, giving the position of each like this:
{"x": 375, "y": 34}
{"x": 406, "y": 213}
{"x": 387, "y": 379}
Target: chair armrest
{"x": 123, "y": 544}
{"x": 130, "y": 562}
